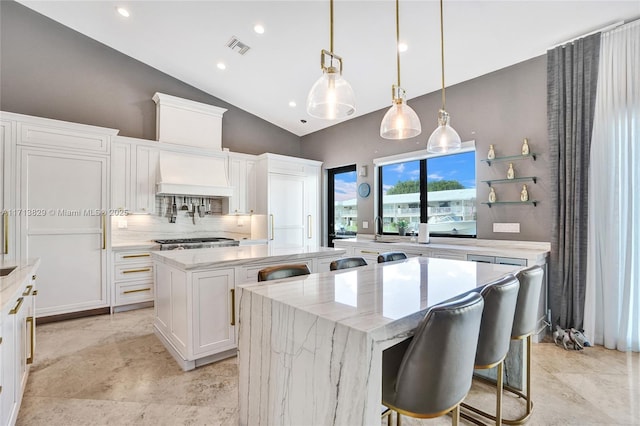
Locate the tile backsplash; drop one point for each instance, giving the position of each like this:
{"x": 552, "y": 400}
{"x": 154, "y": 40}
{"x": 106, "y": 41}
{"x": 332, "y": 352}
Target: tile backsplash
{"x": 148, "y": 227}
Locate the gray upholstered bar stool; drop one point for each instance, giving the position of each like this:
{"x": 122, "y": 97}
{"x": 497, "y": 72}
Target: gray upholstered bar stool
{"x": 282, "y": 271}
{"x": 500, "y": 299}
{"x": 347, "y": 262}
{"x": 390, "y": 256}
{"x": 430, "y": 374}
{"x": 525, "y": 321}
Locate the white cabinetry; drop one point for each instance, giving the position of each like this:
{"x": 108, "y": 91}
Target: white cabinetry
{"x": 7, "y": 190}
{"x": 63, "y": 183}
{"x": 132, "y": 276}
{"x": 242, "y": 178}
{"x": 288, "y": 193}
{"x": 195, "y": 314}
{"x": 17, "y": 347}
{"x": 134, "y": 170}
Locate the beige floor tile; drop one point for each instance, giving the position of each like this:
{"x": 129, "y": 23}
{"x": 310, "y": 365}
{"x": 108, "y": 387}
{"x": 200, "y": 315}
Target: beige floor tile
{"x": 112, "y": 370}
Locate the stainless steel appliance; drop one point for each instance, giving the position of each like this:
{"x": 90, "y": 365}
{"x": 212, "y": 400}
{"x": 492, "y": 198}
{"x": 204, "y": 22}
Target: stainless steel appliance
{"x": 193, "y": 243}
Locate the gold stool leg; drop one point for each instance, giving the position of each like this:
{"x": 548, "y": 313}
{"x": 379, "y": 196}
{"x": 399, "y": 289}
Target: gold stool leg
{"x": 527, "y": 395}
{"x": 455, "y": 415}
{"x": 499, "y": 394}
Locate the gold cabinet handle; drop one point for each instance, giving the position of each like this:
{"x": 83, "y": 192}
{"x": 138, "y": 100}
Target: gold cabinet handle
{"x": 17, "y": 307}
{"x": 129, "y": 256}
{"x": 309, "y": 233}
{"x": 233, "y": 306}
{"x": 271, "y": 218}
{"x": 131, "y": 271}
{"x": 27, "y": 290}
{"x": 6, "y": 232}
{"x": 140, "y": 290}
{"x": 32, "y": 339}
{"x": 104, "y": 231}
{"x": 369, "y": 252}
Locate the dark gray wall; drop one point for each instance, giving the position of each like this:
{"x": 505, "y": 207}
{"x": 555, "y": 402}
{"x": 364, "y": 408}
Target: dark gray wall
{"x": 501, "y": 108}
{"x": 48, "y": 70}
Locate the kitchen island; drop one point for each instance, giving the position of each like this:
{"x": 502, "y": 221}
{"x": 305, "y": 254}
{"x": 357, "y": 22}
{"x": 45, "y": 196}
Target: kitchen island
{"x": 194, "y": 299}
{"x": 310, "y": 349}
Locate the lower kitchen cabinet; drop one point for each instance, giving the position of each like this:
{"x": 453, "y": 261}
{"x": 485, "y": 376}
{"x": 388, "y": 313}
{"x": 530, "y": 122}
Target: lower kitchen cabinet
{"x": 194, "y": 314}
{"x": 133, "y": 281}
{"x": 17, "y": 347}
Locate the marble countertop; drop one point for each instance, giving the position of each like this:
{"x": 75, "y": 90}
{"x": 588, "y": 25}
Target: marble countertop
{"x": 135, "y": 245}
{"x": 207, "y": 258}
{"x": 533, "y": 250}
{"x": 369, "y": 298}
{"x": 10, "y": 283}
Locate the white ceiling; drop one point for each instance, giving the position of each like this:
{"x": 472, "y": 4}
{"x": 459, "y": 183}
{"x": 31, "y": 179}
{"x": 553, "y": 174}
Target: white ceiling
{"x": 186, "y": 39}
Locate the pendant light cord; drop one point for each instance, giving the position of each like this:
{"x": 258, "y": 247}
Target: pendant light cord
{"x": 331, "y": 28}
{"x": 442, "y": 52}
{"x": 398, "y": 39}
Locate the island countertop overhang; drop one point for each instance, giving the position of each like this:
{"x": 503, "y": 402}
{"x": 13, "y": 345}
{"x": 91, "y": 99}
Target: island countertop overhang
{"x": 207, "y": 258}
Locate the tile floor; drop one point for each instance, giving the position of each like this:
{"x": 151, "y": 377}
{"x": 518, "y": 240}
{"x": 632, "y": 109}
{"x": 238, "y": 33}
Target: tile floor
{"x": 112, "y": 370}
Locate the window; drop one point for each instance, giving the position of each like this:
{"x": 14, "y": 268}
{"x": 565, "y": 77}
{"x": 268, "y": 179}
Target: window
{"x": 438, "y": 190}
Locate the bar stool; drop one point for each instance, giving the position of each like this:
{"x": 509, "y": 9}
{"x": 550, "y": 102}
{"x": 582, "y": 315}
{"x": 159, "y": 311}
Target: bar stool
{"x": 429, "y": 375}
{"x": 390, "y": 256}
{"x": 524, "y": 326}
{"x": 347, "y": 262}
{"x": 500, "y": 299}
{"x": 282, "y": 271}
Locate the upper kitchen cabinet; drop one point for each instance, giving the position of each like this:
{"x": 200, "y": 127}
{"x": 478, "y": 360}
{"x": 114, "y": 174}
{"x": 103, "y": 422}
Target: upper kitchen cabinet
{"x": 62, "y": 176}
{"x": 287, "y": 192}
{"x": 242, "y": 178}
{"x": 7, "y": 190}
{"x": 134, "y": 168}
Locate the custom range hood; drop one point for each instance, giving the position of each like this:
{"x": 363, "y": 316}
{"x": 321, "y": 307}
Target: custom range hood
{"x": 185, "y": 122}
{"x": 193, "y": 175}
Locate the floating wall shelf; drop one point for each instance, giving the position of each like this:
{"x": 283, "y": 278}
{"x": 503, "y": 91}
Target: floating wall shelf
{"x": 511, "y": 158}
{"x": 533, "y": 179}
{"x": 534, "y": 202}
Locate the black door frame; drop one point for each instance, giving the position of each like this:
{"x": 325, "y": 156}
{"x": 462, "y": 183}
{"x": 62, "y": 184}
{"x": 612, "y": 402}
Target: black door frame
{"x": 331, "y": 199}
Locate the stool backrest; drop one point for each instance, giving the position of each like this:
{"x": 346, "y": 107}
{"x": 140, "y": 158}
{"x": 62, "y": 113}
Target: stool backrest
{"x": 436, "y": 371}
{"x": 525, "y": 319}
{"x": 391, "y": 256}
{"x": 497, "y": 320}
{"x": 347, "y": 262}
{"x": 282, "y": 271}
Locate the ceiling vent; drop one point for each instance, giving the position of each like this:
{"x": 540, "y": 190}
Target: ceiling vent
{"x": 238, "y": 46}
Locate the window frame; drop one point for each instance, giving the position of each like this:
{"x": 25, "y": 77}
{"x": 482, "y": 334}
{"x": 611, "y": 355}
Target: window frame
{"x": 378, "y": 163}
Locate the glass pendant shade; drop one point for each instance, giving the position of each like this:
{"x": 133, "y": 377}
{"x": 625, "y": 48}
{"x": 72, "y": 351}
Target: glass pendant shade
{"x": 331, "y": 97}
{"x": 444, "y": 139}
{"x": 400, "y": 122}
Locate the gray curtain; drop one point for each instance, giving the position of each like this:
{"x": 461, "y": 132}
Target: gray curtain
{"x": 572, "y": 74}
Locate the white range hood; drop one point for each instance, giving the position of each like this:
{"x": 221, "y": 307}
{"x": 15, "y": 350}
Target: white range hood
{"x": 193, "y": 175}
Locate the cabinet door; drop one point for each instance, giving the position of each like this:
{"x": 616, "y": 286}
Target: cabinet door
{"x": 9, "y": 395}
{"x": 68, "y": 229}
{"x": 121, "y": 176}
{"x": 7, "y": 188}
{"x": 287, "y": 213}
{"x": 312, "y": 212}
{"x": 213, "y": 311}
{"x": 145, "y": 178}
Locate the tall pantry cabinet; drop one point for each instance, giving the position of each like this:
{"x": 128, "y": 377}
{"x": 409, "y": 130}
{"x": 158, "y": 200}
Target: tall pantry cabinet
{"x": 62, "y": 176}
{"x": 287, "y": 192}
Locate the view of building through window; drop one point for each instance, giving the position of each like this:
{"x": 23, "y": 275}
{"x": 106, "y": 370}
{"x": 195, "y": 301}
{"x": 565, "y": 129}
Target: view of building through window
{"x": 345, "y": 204}
{"x": 448, "y": 186}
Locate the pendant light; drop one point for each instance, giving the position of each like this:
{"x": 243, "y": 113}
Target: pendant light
{"x": 331, "y": 97}
{"x": 401, "y": 121}
{"x": 444, "y": 139}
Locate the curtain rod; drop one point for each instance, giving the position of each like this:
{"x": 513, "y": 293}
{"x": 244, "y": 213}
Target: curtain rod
{"x": 603, "y": 29}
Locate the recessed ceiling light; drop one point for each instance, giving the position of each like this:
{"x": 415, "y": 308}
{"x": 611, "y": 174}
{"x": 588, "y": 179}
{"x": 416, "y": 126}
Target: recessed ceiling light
{"x": 292, "y": 104}
{"x": 124, "y": 12}
{"x": 259, "y": 29}
{"x": 402, "y": 47}
{"x": 221, "y": 66}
